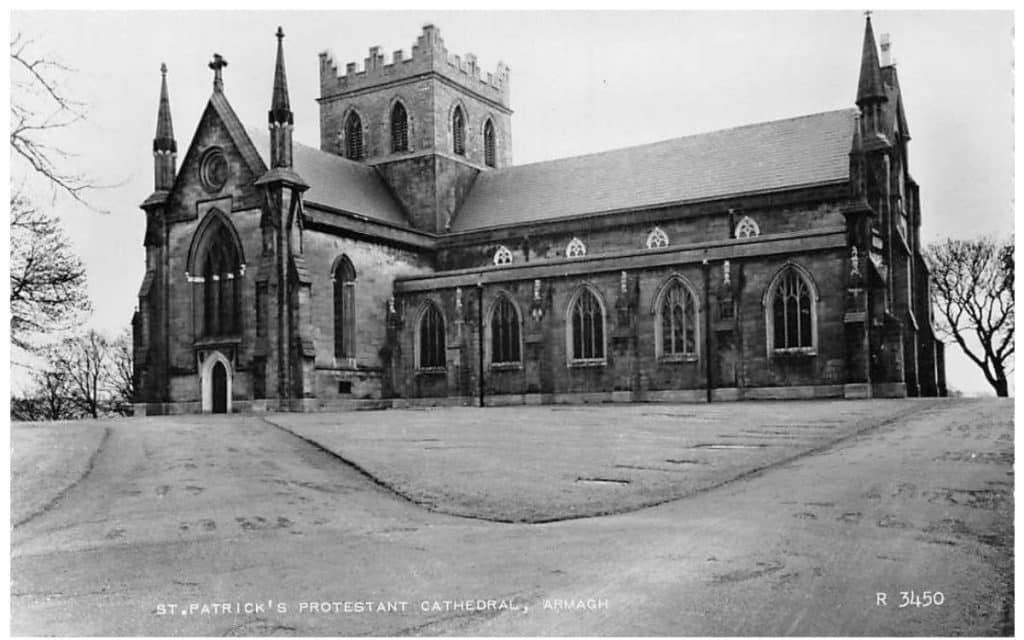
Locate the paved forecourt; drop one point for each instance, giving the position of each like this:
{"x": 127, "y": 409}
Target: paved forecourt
{"x": 187, "y": 511}
{"x": 537, "y": 464}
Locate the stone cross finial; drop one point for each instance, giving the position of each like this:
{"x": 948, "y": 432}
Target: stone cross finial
{"x": 280, "y": 33}
{"x": 217, "y": 64}
{"x": 163, "y": 68}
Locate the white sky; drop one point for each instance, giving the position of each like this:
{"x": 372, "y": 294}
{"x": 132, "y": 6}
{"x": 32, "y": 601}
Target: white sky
{"x": 581, "y": 82}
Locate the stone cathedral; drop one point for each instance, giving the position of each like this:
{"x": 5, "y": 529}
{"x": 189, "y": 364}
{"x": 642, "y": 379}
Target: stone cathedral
{"x": 409, "y": 261}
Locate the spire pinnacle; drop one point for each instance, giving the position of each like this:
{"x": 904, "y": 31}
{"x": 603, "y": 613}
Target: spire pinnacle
{"x": 165, "y": 148}
{"x": 280, "y": 109}
{"x": 870, "y": 87}
{"x": 164, "y": 139}
{"x": 217, "y": 64}
{"x": 280, "y": 116}
{"x": 858, "y": 143}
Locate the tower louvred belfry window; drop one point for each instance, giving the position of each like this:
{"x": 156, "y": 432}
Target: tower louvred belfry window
{"x": 458, "y": 132}
{"x": 399, "y": 128}
{"x": 354, "y": 137}
{"x": 489, "y": 150}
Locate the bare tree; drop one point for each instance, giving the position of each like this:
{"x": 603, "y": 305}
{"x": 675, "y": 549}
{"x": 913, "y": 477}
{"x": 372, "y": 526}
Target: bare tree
{"x": 40, "y": 109}
{"x": 49, "y": 399}
{"x": 53, "y": 396}
{"x": 122, "y": 379}
{"x": 87, "y": 376}
{"x": 972, "y": 290}
{"x": 25, "y": 409}
{"x": 47, "y": 278}
{"x": 85, "y": 360}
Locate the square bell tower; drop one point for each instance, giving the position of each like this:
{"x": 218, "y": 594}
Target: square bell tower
{"x": 429, "y": 123}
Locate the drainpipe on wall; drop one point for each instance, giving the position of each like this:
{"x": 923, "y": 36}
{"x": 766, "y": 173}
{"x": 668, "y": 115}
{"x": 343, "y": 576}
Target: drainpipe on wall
{"x": 706, "y": 268}
{"x": 480, "y": 340}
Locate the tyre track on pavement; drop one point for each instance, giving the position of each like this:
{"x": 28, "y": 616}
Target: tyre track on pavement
{"x": 860, "y": 430}
{"x": 64, "y": 492}
{"x": 669, "y": 588}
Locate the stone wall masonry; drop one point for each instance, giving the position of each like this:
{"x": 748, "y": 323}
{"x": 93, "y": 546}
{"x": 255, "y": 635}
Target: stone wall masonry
{"x": 536, "y": 242}
{"x": 185, "y": 388}
{"x": 189, "y": 189}
{"x": 758, "y": 368}
{"x": 374, "y": 109}
{"x": 187, "y": 208}
{"x": 454, "y": 180}
{"x": 476, "y": 112}
{"x": 429, "y": 103}
{"x": 376, "y": 267}
{"x": 414, "y": 183}
{"x": 734, "y": 349}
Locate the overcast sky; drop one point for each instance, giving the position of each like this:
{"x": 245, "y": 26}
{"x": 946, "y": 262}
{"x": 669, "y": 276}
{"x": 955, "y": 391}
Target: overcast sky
{"x": 581, "y": 82}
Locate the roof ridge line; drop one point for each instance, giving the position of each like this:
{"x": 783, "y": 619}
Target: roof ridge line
{"x": 666, "y": 140}
{"x": 250, "y": 130}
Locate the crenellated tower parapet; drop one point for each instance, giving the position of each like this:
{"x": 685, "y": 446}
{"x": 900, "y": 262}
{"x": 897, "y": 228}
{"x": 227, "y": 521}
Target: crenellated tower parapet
{"x": 428, "y": 55}
{"x": 429, "y": 122}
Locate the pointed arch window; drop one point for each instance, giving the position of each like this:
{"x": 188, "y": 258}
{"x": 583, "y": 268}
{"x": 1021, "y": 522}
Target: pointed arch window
{"x": 344, "y": 309}
{"x": 575, "y": 249}
{"x": 677, "y": 324}
{"x": 504, "y": 325}
{"x": 791, "y": 312}
{"x": 458, "y": 131}
{"x": 220, "y": 270}
{"x": 586, "y": 339}
{"x": 354, "y": 137}
{"x": 399, "y": 128}
{"x": 489, "y": 145}
{"x": 747, "y": 228}
{"x": 430, "y": 343}
{"x": 502, "y": 256}
{"x": 657, "y": 238}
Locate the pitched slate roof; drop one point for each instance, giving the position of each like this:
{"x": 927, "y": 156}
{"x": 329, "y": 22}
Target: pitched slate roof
{"x": 338, "y": 183}
{"x": 767, "y": 156}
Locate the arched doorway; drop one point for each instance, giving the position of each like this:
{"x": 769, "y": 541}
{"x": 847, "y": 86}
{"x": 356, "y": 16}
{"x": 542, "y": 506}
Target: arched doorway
{"x": 219, "y": 380}
{"x": 215, "y": 378}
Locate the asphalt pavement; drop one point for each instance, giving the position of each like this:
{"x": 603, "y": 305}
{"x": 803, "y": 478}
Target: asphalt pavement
{"x": 228, "y": 525}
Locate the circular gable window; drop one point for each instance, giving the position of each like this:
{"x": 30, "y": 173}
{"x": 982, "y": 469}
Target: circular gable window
{"x": 213, "y": 170}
